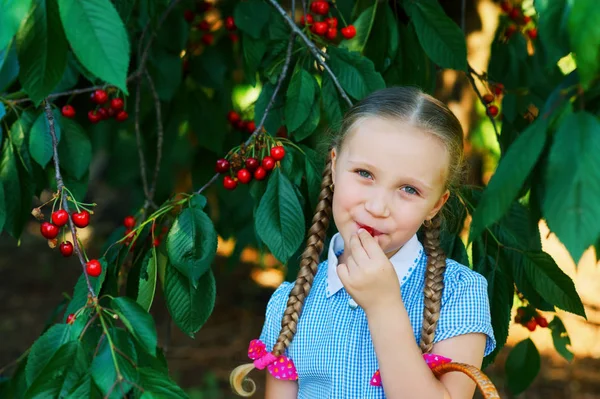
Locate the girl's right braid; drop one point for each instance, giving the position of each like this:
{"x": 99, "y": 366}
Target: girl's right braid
{"x": 308, "y": 263}
{"x": 434, "y": 282}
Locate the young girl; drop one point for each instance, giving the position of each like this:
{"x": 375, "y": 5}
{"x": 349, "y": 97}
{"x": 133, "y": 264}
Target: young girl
{"x": 383, "y": 308}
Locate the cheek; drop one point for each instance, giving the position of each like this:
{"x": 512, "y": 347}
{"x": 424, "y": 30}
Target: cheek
{"x": 347, "y": 194}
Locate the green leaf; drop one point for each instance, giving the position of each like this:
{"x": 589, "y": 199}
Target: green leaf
{"x": 309, "y": 126}
{"x": 254, "y": 51}
{"x": 275, "y": 115}
{"x": 61, "y": 374}
{"x": 570, "y": 204}
{"x": 139, "y": 322}
{"x": 356, "y": 74}
{"x": 84, "y": 389}
{"x": 300, "y": 97}
{"x": 166, "y": 72}
{"x": 42, "y": 49}
{"x": 384, "y": 39}
{"x": 279, "y": 218}
{"x": 98, "y": 38}
{"x": 198, "y": 201}
{"x": 159, "y": 384}
{"x": 443, "y": 41}
{"x": 363, "y": 25}
{"x": 251, "y": 16}
{"x": 147, "y": 286}
{"x": 552, "y": 28}
{"x": 9, "y": 65}
{"x": 12, "y": 13}
{"x": 9, "y": 178}
{"x": 500, "y": 294}
{"x": 506, "y": 183}
{"x": 314, "y": 174}
{"x": 552, "y": 283}
{"x": 584, "y": 32}
{"x": 331, "y": 103}
{"x": 2, "y": 207}
{"x": 40, "y": 140}
{"x": 103, "y": 368}
{"x": 81, "y": 292}
{"x": 560, "y": 338}
{"x": 522, "y": 366}
{"x": 189, "y": 305}
{"x": 124, "y": 8}
{"x": 75, "y": 148}
{"x": 192, "y": 243}
{"x": 44, "y": 348}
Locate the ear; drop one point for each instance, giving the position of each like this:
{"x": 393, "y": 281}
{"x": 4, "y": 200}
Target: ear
{"x": 438, "y": 205}
{"x": 333, "y": 163}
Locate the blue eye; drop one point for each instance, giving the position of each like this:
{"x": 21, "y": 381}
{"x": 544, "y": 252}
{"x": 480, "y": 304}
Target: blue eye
{"x": 364, "y": 173}
{"x": 410, "y": 190}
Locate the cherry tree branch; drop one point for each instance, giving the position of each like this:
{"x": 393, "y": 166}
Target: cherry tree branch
{"x": 63, "y": 198}
{"x": 258, "y": 129}
{"x": 470, "y": 74}
{"x": 138, "y": 139}
{"x": 160, "y": 133}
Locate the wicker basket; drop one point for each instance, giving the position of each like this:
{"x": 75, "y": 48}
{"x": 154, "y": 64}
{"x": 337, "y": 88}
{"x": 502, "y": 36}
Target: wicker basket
{"x": 484, "y": 384}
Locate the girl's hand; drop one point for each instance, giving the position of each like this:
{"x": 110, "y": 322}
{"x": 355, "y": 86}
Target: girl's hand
{"x": 368, "y": 275}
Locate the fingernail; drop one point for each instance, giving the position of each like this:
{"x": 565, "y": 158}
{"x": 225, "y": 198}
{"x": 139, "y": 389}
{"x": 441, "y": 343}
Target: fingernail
{"x": 360, "y": 230}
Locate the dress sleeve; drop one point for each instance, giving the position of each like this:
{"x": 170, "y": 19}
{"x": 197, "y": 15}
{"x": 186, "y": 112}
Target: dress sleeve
{"x": 274, "y": 314}
{"x": 465, "y": 307}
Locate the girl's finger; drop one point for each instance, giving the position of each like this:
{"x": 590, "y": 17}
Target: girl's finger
{"x": 344, "y": 274}
{"x": 369, "y": 244}
{"x": 357, "y": 250}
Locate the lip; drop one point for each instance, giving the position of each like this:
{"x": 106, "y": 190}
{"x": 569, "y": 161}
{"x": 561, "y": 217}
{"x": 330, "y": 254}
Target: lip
{"x": 372, "y": 231}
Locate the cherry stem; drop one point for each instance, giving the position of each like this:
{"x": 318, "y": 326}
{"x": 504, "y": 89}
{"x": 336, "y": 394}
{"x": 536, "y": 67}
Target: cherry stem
{"x": 61, "y": 186}
{"x": 87, "y": 325}
{"x": 470, "y": 74}
{"x": 319, "y": 56}
{"x": 339, "y": 13}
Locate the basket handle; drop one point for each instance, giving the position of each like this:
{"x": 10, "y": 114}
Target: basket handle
{"x": 484, "y": 384}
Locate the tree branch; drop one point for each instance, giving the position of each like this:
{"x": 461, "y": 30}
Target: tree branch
{"x": 138, "y": 139}
{"x": 470, "y": 74}
{"x": 258, "y": 129}
{"x": 160, "y": 133}
{"x": 63, "y": 198}
{"x": 317, "y": 54}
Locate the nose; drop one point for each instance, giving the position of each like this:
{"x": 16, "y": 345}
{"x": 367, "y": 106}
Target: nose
{"x": 377, "y": 205}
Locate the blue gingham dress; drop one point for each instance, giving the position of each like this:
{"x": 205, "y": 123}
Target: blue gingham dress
{"x": 332, "y": 349}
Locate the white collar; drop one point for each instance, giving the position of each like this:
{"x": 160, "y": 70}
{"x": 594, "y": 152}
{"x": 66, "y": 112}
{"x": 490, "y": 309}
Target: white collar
{"x": 404, "y": 261}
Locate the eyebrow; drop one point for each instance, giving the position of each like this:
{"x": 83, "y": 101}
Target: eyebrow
{"x": 374, "y": 168}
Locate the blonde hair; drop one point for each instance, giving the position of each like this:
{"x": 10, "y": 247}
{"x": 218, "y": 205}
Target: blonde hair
{"x": 408, "y": 105}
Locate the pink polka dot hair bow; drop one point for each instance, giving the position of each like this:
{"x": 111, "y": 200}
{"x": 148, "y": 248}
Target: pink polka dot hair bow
{"x": 281, "y": 367}
{"x": 431, "y": 359}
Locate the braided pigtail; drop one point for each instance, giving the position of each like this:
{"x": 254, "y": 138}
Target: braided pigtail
{"x": 434, "y": 281}
{"x": 308, "y": 268}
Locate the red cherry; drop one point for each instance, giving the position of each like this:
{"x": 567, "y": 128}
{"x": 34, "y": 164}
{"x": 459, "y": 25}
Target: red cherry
{"x": 526, "y": 19}
{"x": 332, "y": 22}
{"x": 121, "y": 116}
{"x": 156, "y": 242}
{"x": 244, "y": 176}
{"x": 250, "y": 126}
{"x": 103, "y": 113}
{"x": 189, "y": 15}
{"x": 532, "y": 33}
{"x": 222, "y": 166}
{"x": 70, "y": 318}
{"x": 66, "y": 249}
{"x": 93, "y": 116}
{"x": 319, "y": 28}
{"x": 349, "y": 31}
{"x": 492, "y": 111}
{"x": 68, "y": 111}
{"x": 208, "y": 39}
{"x": 204, "y": 25}
{"x": 541, "y": 321}
{"x": 488, "y": 98}
{"x": 268, "y": 163}
{"x": 308, "y": 20}
{"x": 60, "y": 217}
{"x": 129, "y": 222}
{"x": 93, "y": 268}
{"x": 116, "y": 104}
{"x": 505, "y": 6}
{"x": 252, "y": 164}
{"x": 229, "y": 183}
{"x": 510, "y": 30}
{"x": 99, "y": 96}
{"x": 234, "y": 37}
{"x": 239, "y": 124}
{"x": 230, "y": 23}
{"x": 260, "y": 173}
{"x": 81, "y": 219}
{"x": 233, "y": 117}
{"x": 278, "y": 152}
{"x": 531, "y": 325}
{"x": 320, "y": 7}
{"x": 111, "y": 112}
{"x": 49, "y": 231}
{"x": 331, "y": 33}
{"x": 515, "y": 14}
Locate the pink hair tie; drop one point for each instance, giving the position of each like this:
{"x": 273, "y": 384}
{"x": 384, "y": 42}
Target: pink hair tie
{"x": 431, "y": 359}
{"x": 281, "y": 367}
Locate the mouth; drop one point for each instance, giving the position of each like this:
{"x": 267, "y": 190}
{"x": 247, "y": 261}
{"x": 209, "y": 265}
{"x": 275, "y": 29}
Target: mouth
{"x": 372, "y": 231}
